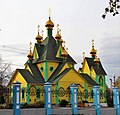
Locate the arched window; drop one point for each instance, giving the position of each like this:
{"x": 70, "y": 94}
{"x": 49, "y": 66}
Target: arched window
{"x": 91, "y": 94}
{"x": 38, "y": 93}
{"x": 41, "y": 69}
{"x": 85, "y": 94}
{"x": 101, "y": 80}
{"x": 51, "y": 69}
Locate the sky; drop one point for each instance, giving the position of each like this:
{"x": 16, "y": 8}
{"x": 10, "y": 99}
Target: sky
{"x": 80, "y": 21}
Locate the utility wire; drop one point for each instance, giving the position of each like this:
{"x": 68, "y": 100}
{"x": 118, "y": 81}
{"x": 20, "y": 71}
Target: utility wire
{"x": 13, "y": 51}
{"x": 13, "y": 48}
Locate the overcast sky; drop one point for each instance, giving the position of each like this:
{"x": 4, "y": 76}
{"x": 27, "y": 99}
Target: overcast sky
{"x": 79, "y": 20}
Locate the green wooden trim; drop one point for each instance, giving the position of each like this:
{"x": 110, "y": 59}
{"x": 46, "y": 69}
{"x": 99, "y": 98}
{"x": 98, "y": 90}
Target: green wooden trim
{"x": 73, "y": 66}
{"x": 104, "y": 85}
{"x": 57, "y": 96}
{"x": 60, "y": 53}
{"x": 46, "y": 71}
{"x": 97, "y": 80}
{"x": 28, "y": 94}
{"x": 85, "y": 86}
{"x": 49, "y": 32}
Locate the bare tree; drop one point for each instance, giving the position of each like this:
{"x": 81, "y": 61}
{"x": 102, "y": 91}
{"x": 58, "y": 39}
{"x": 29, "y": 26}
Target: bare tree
{"x": 5, "y": 72}
{"x": 113, "y": 7}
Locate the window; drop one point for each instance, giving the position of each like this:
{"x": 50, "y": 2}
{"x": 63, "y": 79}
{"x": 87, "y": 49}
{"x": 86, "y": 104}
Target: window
{"x": 91, "y": 94}
{"x": 101, "y": 80}
{"x": 38, "y": 93}
{"x": 51, "y": 69}
{"x": 41, "y": 69}
{"x": 23, "y": 93}
{"x": 85, "y": 94}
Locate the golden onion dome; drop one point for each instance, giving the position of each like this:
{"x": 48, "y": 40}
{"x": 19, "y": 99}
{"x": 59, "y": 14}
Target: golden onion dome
{"x": 61, "y": 40}
{"x": 64, "y": 53}
{"x": 58, "y": 36}
{"x": 93, "y": 51}
{"x": 49, "y": 23}
{"x": 96, "y": 60}
{"x": 30, "y": 55}
{"x": 39, "y": 38}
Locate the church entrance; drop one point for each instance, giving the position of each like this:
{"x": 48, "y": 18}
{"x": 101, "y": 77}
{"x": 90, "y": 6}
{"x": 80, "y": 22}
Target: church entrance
{"x": 32, "y": 94}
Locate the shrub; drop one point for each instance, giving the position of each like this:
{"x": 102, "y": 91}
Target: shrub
{"x": 25, "y": 105}
{"x": 39, "y": 104}
{"x": 10, "y": 106}
{"x": 63, "y": 103}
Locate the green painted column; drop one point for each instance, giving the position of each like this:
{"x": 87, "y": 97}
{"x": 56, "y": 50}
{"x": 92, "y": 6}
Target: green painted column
{"x": 104, "y": 85}
{"x": 97, "y": 80}
{"x": 37, "y": 92}
{"x": 46, "y": 71}
{"x": 49, "y": 32}
{"x": 28, "y": 94}
{"x": 86, "y": 88}
{"x": 57, "y": 96}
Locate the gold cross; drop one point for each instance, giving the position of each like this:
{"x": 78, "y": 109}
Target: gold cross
{"x": 49, "y": 11}
{"x": 30, "y": 46}
{"x": 57, "y": 27}
{"x": 42, "y": 32}
{"x": 92, "y": 42}
{"x": 83, "y": 55}
{"x": 38, "y": 28}
{"x": 66, "y": 49}
{"x": 64, "y": 44}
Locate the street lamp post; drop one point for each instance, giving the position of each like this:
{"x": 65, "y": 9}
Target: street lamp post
{"x": 111, "y": 84}
{"x": 114, "y": 81}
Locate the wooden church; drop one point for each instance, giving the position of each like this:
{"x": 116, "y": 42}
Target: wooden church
{"x": 49, "y": 61}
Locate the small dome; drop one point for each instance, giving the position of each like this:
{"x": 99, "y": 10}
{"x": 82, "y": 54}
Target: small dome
{"x": 30, "y": 55}
{"x": 97, "y": 60}
{"x": 93, "y": 51}
{"x": 58, "y": 36}
{"x": 61, "y": 40}
{"x": 39, "y": 38}
{"x": 64, "y": 53}
{"x": 49, "y": 23}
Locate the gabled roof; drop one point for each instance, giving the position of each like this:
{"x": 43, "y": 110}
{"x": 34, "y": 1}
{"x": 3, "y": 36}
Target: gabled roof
{"x": 56, "y": 72}
{"x": 36, "y": 73}
{"x": 27, "y": 75}
{"x": 97, "y": 68}
{"x": 89, "y": 79}
{"x": 57, "y": 78}
{"x": 48, "y": 50}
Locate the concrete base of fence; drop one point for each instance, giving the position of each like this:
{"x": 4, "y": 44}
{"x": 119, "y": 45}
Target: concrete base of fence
{"x": 60, "y": 111}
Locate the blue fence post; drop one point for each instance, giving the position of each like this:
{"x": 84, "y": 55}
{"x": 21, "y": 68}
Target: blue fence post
{"x": 96, "y": 96}
{"x": 74, "y": 99}
{"x": 16, "y": 98}
{"x": 48, "y": 98}
{"x": 116, "y": 100}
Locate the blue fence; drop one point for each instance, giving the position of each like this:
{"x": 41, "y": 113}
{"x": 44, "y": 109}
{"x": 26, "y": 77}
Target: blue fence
{"x": 73, "y": 99}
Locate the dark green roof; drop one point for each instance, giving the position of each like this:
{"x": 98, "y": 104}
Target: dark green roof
{"x": 61, "y": 75}
{"x": 88, "y": 79}
{"x": 97, "y": 68}
{"x": 27, "y": 75}
{"x": 56, "y": 72}
{"x": 36, "y": 73}
{"x": 34, "y": 77}
{"x": 48, "y": 50}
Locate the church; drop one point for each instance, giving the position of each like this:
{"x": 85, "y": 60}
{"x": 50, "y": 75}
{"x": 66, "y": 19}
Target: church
{"x": 49, "y": 61}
